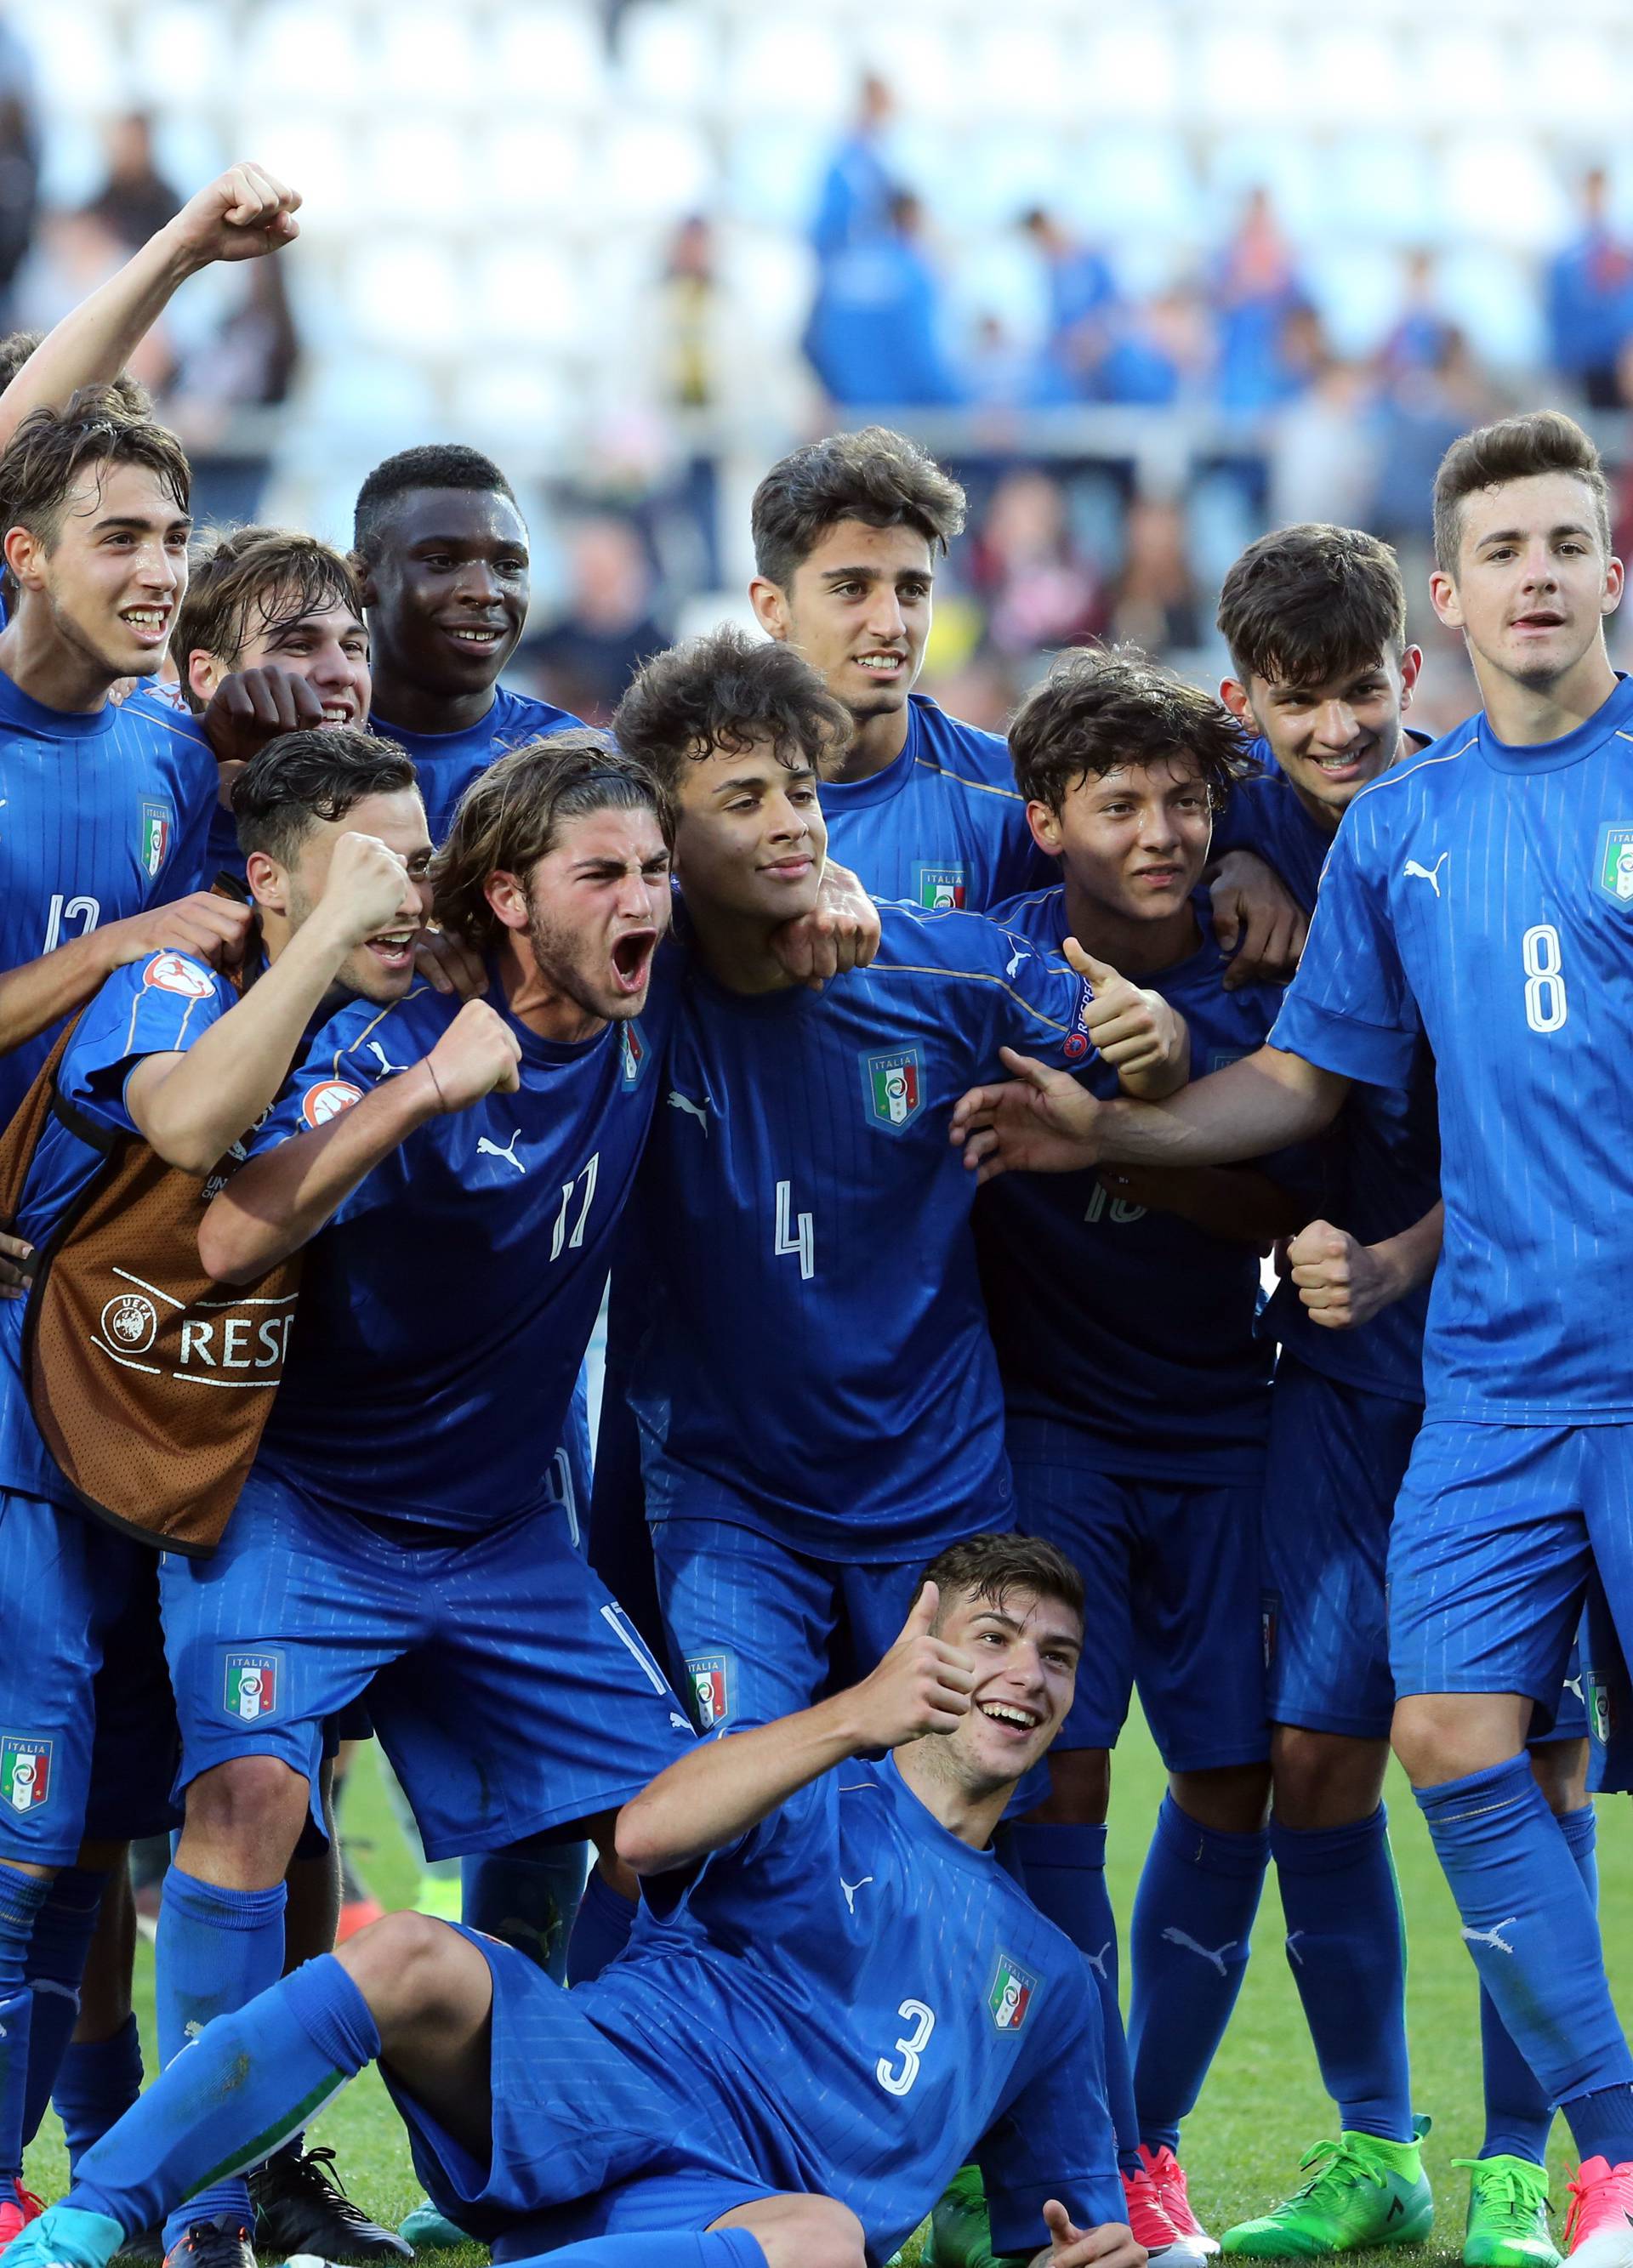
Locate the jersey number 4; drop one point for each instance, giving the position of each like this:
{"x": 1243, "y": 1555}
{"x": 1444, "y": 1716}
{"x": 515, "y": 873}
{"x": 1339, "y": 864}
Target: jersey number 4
{"x": 910, "y": 2047}
{"x": 788, "y": 1242}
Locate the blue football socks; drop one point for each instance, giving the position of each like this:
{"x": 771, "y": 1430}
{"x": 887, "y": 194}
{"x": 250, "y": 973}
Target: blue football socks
{"x": 1063, "y": 1867}
{"x": 22, "y": 1896}
{"x": 1192, "y": 1921}
{"x": 64, "y": 1928}
{"x": 528, "y": 1901}
{"x": 1346, "y": 1949}
{"x": 1518, "y": 2113}
{"x": 97, "y": 2082}
{"x": 718, "y": 2248}
{"x": 217, "y": 1949}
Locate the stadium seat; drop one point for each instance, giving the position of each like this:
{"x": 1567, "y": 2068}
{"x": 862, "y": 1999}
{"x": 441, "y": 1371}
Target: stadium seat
{"x": 408, "y": 294}
{"x": 544, "y": 59}
{"x": 279, "y": 56}
{"x": 182, "y": 53}
{"x": 669, "y": 58}
{"x": 778, "y": 67}
{"x": 1132, "y": 71}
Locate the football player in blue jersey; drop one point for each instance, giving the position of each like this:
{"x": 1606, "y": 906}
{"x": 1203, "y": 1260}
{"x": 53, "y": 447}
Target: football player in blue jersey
{"x": 1481, "y": 896}
{"x": 796, "y": 1194}
{"x": 167, "y": 1050}
{"x": 834, "y": 1993}
{"x": 1323, "y": 670}
{"x": 108, "y": 807}
{"x": 847, "y": 532}
{"x": 1137, "y": 1388}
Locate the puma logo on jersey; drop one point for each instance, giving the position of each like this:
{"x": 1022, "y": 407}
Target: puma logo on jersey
{"x": 1493, "y": 1936}
{"x": 1020, "y": 955}
{"x": 698, "y": 1110}
{"x": 385, "y": 1064}
{"x": 851, "y": 1888}
{"x": 1214, "y": 1960}
{"x": 486, "y": 1149}
{"x": 1430, "y": 874}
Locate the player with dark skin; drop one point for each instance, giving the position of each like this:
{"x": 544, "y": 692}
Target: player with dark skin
{"x": 447, "y": 595}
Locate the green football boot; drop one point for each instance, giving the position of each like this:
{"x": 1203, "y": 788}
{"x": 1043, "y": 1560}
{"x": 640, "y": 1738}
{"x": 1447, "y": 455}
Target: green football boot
{"x": 960, "y": 2232}
{"x": 1507, "y": 2215}
{"x": 427, "y": 2230}
{"x": 1360, "y": 2193}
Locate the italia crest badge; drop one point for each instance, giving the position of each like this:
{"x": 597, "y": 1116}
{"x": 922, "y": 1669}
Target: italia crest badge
{"x": 633, "y": 1053}
{"x": 893, "y": 1087}
{"x": 938, "y": 888}
{"x": 158, "y": 824}
{"x": 1009, "y": 1995}
{"x": 1613, "y": 871}
{"x": 251, "y": 1686}
{"x": 24, "y": 1772}
{"x": 711, "y": 1688}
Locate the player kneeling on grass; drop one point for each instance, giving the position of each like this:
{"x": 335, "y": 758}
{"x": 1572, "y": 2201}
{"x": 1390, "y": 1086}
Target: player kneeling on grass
{"x": 833, "y": 1995}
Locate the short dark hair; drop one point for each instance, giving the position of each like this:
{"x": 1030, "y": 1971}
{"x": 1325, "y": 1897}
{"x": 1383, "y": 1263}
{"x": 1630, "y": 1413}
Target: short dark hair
{"x": 1306, "y": 605}
{"x": 1513, "y": 449}
{"x": 317, "y": 773}
{"x": 878, "y": 477}
{"x": 1100, "y": 707}
{"x": 725, "y": 691}
{"x": 513, "y": 813}
{"x": 19, "y": 347}
{"x": 992, "y": 1566}
{"x": 51, "y": 449}
{"x": 434, "y": 465}
{"x": 255, "y": 577}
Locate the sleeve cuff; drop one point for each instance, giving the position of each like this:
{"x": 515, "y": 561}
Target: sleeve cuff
{"x": 1372, "y": 1053}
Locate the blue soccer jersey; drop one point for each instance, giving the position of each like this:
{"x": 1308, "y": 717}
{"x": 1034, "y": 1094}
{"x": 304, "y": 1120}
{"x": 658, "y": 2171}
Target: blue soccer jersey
{"x": 877, "y": 2000}
{"x": 161, "y": 1006}
{"x": 446, "y": 1307}
{"x": 447, "y": 763}
{"x": 1482, "y": 894}
{"x": 1133, "y": 1327}
{"x": 943, "y": 825}
{"x": 1383, "y": 1158}
{"x": 816, "y": 1362}
{"x": 101, "y": 815}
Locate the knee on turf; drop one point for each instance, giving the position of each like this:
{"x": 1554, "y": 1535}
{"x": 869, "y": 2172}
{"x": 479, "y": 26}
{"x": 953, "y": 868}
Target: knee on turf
{"x": 253, "y": 1804}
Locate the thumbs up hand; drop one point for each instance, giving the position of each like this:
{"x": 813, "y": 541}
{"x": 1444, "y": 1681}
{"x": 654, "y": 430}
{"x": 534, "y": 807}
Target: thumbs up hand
{"x": 1144, "y": 1040}
{"x": 923, "y": 1685}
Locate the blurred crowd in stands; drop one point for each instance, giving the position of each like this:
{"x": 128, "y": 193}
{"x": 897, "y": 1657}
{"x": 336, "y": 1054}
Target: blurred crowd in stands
{"x": 1072, "y": 533}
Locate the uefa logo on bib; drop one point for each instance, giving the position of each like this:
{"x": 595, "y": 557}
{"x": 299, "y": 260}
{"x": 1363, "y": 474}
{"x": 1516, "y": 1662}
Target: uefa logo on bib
{"x": 1613, "y": 869}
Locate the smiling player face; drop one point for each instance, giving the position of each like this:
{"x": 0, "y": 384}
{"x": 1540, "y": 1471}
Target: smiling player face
{"x": 1133, "y": 841}
{"x": 749, "y": 838}
{"x": 858, "y": 607}
{"x": 448, "y": 593}
{"x": 1331, "y": 739}
{"x": 327, "y": 646}
{"x": 594, "y": 908}
{"x": 1025, "y": 1650}
{"x": 1533, "y": 582}
{"x": 382, "y": 968}
{"x": 114, "y": 574}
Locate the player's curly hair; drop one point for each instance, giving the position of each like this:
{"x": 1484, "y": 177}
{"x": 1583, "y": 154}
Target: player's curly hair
{"x": 513, "y": 813}
{"x": 991, "y": 1566}
{"x": 51, "y": 450}
{"x": 878, "y": 477}
{"x": 722, "y": 693}
{"x": 1306, "y": 606}
{"x": 1102, "y": 707}
{"x": 1514, "y": 449}
{"x": 318, "y": 773}
{"x": 432, "y": 465}
{"x": 256, "y": 578}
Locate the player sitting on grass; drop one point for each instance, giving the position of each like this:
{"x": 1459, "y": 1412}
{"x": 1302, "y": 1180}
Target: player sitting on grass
{"x": 1137, "y": 1392}
{"x": 833, "y": 1994}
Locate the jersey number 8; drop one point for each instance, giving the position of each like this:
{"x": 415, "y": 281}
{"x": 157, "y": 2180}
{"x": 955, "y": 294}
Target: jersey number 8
{"x": 1545, "y": 1006}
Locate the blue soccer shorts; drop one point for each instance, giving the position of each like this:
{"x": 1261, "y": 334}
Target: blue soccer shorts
{"x": 507, "y": 1687}
{"x": 590, "y": 2136}
{"x": 1500, "y": 1537}
{"x": 757, "y": 1629}
{"x": 87, "y": 1731}
{"x": 1171, "y": 1573}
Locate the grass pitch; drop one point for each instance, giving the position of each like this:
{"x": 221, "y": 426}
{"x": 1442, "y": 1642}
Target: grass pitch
{"x": 1263, "y": 2105}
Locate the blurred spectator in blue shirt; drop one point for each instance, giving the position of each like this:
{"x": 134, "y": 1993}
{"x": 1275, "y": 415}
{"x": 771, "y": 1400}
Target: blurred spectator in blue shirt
{"x": 1255, "y": 288}
{"x": 1080, "y": 290}
{"x": 874, "y": 334}
{"x": 1421, "y": 332}
{"x": 856, "y": 190}
{"x": 1589, "y": 300}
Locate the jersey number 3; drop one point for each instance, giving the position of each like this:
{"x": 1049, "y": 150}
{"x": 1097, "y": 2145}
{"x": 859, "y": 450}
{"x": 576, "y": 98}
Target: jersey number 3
{"x": 1545, "y": 1006}
{"x": 910, "y": 2047}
